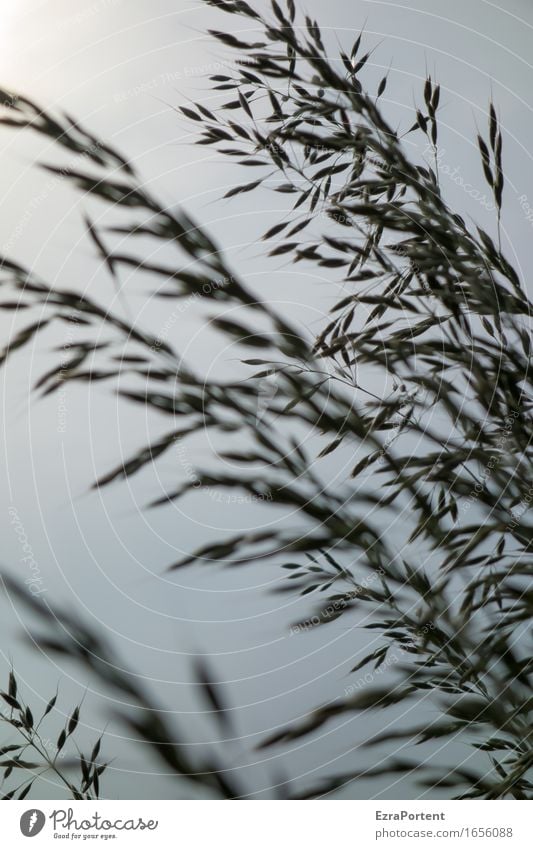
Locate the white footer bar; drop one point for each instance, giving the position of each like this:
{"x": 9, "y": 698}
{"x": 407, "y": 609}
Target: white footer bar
{"x": 268, "y": 825}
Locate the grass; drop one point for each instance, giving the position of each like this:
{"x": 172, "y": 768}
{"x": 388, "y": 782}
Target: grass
{"x": 439, "y": 441}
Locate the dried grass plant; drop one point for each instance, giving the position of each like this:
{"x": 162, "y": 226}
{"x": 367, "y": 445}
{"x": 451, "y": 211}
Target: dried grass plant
{"x": 432, "y": 307}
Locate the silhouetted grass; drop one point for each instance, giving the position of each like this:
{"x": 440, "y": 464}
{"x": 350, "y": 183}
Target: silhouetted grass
{"x": 440, "y": 440}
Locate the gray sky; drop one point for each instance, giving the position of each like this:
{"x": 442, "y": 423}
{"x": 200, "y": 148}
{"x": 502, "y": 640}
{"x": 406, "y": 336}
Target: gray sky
{"x": 120, "y": 66}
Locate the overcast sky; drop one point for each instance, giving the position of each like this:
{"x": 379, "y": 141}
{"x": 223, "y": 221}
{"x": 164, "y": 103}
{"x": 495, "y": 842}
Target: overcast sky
{"x": 120, "y": 66}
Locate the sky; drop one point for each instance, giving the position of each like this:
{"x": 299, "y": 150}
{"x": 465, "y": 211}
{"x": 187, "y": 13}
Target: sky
{"x": 122, "y": 66}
